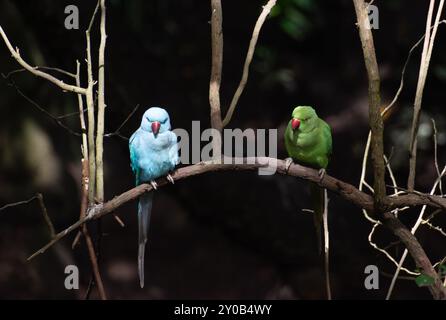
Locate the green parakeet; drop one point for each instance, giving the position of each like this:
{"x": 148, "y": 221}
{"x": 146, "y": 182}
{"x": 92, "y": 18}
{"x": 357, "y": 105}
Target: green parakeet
{"x": 308, "y": 142}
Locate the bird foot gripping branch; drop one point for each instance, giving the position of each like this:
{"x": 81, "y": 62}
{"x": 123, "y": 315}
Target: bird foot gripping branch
{"x": 170, "y": 179}
{"x": 288, "y": 163}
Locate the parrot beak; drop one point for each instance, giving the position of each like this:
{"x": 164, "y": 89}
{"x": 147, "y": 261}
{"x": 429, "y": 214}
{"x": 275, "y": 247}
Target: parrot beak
{"x": 155, "y": 127}
{"x": 295, "y": 123}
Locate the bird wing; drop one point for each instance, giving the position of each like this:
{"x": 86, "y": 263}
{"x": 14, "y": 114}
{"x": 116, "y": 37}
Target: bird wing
{"x": 173, "y": 149}
{"x": 134, "y": 145}
{"x": 326, "y": 133}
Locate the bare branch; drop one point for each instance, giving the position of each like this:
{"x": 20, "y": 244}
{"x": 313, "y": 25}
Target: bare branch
{"x": 16, "y": 55}
{"x": 64, "y": 72}
{"x": 437, "y": 168}
{"x": 217, "y": 64}
{"x": 345, "y": 190}
{"x": 93, "y": 16}
{"x": 101, "y": 109}
{"x": 19, "y": 203}
{"x": 81, "y": 114}
{"x": 414, "y": 229}
{"x": 90, "y": 117}
{"x": 252, "y": 46}
{"x": 375, "y": 118}
{"x": 47, "y": 218}
{"x": 417, "y": 252}
{"x": 39, "y": 198}
{"x": 71, "y": 114}
{"x": 117, "y": 132}
{"x": 424, "y": 66}
{"x": 400, "y": 88}
{"x": 94, "y": 263}
{"x": 56, "y": 119}
{"x": 128, "y": 118}
{"x": 89, "y": 242}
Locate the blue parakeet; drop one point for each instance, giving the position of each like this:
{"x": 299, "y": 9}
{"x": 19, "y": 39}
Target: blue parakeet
{"x": 153, "y": 154}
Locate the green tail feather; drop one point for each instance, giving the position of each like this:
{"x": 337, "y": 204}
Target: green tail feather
{"x": 317, "y": 200}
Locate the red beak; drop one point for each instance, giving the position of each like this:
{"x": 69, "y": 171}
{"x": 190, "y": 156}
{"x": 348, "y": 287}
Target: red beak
{"x": 295, "y": 123}
{"x": 156, "y": 127}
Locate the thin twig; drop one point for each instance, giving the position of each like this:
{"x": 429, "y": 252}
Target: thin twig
{"x": 19, "y": 203}
{"x": 70, "y": 114}
{"x": 436, "y": 228}
{"x": 413, "y": 230}
{"x": 252, "y": 46}
{"x": 82, "y": 115}
{"x": 424, "y": 66}
{"x": 56, "y": 119}
{"x": 64, "y": 72}
{"x": 16, "y": 55}
{"x": 93, "y": 16}
{"x": 88, "y": 241}
{"x": 89, "y": 288}
{"x": 437, "y": 168}
{"x": 117, "y": 132}
{"x": 94, "y": 263}
{"x": 383, "y": 251}
{"x": 47, "y": 218}
{"x": 409, "y": 55}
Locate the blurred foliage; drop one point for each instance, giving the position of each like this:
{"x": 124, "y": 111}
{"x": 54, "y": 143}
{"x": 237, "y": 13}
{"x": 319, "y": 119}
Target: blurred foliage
{"x": 296, "y": 17}
{"x": 423, "y": 280}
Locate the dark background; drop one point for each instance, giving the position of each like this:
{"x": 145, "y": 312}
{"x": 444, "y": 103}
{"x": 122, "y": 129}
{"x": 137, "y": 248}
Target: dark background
{"x": 221, "y": 235}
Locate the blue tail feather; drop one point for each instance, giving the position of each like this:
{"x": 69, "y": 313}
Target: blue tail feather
{"x": 144, "y": 211}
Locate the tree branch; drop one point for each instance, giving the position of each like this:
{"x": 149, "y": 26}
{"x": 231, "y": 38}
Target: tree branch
{"x": 47, "y": 218}
{"x": 19, "y": 203}
{"x": 90, "y": 116}
{"x": 88, "y": 241}
{"x": 375, "y": 118}
{"x": 80, "y": 102}
{"x": 64, "y": 72}
{"x": 101, "y": 109}
{"x": 217, "y": 63}
{"x": 34, "y": 70}
{"x": 424, "y": 66}
{"x": 417, "y": 252}
{"x": 345, "y": 190}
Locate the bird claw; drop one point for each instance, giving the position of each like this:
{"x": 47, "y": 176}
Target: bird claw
{"x": 321, "y": 174}
{"x": 170, "y": 179}
{"x": 288, "y": 163}
{"x": 154, "y": 185}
